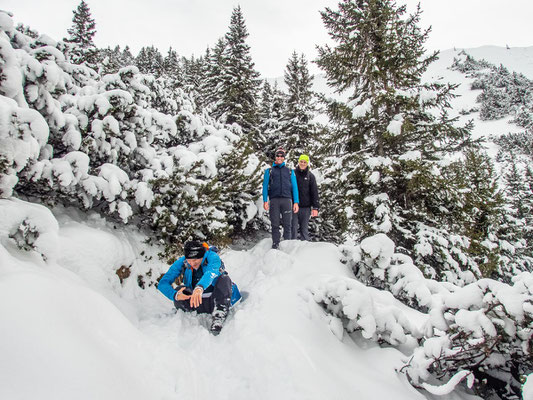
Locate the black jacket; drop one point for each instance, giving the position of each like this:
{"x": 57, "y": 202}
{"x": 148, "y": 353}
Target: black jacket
{"x": 307, "y": 188}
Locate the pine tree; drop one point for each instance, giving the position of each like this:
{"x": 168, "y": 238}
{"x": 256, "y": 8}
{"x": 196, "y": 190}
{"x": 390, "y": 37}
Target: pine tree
{"x": 483, "y": 217}
{"x": 150, "y": 61}
{"x": 270, "y": 116}
{"x": 81, "y": 36}
{"x": 111, "y": 60}
{"x": 240, "y": 81}
{"x": 171, "y": 66}
{"x": 297, "y": 124}
{"x": 127, "y": 58}
{"x": 193, "y": 76}
{"x": 386, "y": 144}
{"x": 212, "y": 84}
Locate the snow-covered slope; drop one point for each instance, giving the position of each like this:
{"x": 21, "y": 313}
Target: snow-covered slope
{"x": 70, "y": 329}
{"x": 515, "y": 59}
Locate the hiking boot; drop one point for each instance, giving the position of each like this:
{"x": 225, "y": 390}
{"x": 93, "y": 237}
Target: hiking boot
{"x": 219, "y": 317}
{"x": 275, "y": 246}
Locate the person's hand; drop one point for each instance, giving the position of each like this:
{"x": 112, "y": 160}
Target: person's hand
{"x": 314, "y": 213}
{"x": 196, "y": 298}
{"x": 295, "y": 208}
{"x": 265, "y": 205}
{"x": 180, "y": 295}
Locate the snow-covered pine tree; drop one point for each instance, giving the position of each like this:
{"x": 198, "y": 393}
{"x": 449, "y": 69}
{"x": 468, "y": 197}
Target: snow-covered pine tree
{"x": 81, "y": 35}
{"x": 211, "y": 86}
{"x": 299, "y": 130}
{"x": 240, "y": 80}
{"x": 111, "y": 60}
{"x": 193, "y": 77}
{"x": 519, "y": 198}
{"x": 182, "y": 209}
{"x": 494, "y": 232}
{"x": 127, "y": 57}
{"x": 270, "y": 116}
{"x": 528, "y": 210}
{"x": 171, "y": 65}
{"x": 385, "y": 172}
{"x": 238, "y": 186}
{"x": 150, "y": 61}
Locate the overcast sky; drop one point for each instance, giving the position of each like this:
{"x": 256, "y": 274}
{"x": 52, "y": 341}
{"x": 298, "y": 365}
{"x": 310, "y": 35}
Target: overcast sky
{"x": 276, "y": 27}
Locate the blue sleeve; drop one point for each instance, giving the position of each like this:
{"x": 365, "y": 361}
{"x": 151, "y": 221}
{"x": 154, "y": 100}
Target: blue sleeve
{"x": 295, "y": 195}
{"x": 165, "y": 283}
{"x": 211, "y": 269}
{"x": 265, "y": 185}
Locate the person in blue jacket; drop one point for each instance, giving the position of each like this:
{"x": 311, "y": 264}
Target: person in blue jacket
{"x": 280, "y": 186}
{"x": 206, "y": 288}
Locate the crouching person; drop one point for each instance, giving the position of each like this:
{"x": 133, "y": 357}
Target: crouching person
{"x": 207, "y": 287}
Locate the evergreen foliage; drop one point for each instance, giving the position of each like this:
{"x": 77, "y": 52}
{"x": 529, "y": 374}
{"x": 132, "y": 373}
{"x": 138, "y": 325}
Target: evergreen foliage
{"x": 81, "y": 35}
{"x": 384, "y": 172}
{"x": 212, "y": 87}
{"x": 271, "y": 112}
{"x": 299, "y": 130}
{"x": 150, "y": 61}
{"x": 193, "y": 77}
{"x": 130, "y": 146}
{"x": 239, "y": 80}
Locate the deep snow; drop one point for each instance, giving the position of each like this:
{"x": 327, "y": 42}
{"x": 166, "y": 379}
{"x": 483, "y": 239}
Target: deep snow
{"x": 70, "y": 329}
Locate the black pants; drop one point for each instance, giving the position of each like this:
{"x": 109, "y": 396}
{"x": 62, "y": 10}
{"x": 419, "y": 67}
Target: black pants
{"x": 220, "y": 296}
{"x": 280, "y": 209}
{"x": 301, "y": 220}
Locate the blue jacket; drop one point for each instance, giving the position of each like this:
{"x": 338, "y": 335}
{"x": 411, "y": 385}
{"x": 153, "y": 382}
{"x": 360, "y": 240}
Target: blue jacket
{"x": 283, "y": 183}
{"x": 212, "y": 268}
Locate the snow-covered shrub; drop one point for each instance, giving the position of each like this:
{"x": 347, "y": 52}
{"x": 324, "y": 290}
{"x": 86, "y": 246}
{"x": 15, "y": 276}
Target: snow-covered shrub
{"x": 119, "y": 144}
{"x": 483, "y": 327}
{"x": 375, "y": 263}
{"x": 30, "y": 227}
{"x": 373, "y": 312}
{"x": 23, "y": 133}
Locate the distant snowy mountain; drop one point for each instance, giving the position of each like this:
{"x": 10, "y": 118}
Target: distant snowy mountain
{"x": 518, "y": 59}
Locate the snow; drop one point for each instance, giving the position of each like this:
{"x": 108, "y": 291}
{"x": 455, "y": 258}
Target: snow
{"x": 527, "y": 393}
{"x": 361, "y": 110}
{"x": 395, "y": 126}
{"x": 72, "y": 329}
{"x": 448, "y": 387}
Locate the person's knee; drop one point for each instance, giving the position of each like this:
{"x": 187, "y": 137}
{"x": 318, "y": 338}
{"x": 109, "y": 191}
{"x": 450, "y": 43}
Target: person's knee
{"x": 224, "y": 283}
{"x": 224, "y": 280}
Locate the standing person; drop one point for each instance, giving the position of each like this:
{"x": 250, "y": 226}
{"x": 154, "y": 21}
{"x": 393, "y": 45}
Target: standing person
{"x": 207, "y": 287}
{"x": 308, "y": 192}
{"x": 279, "y": 185}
